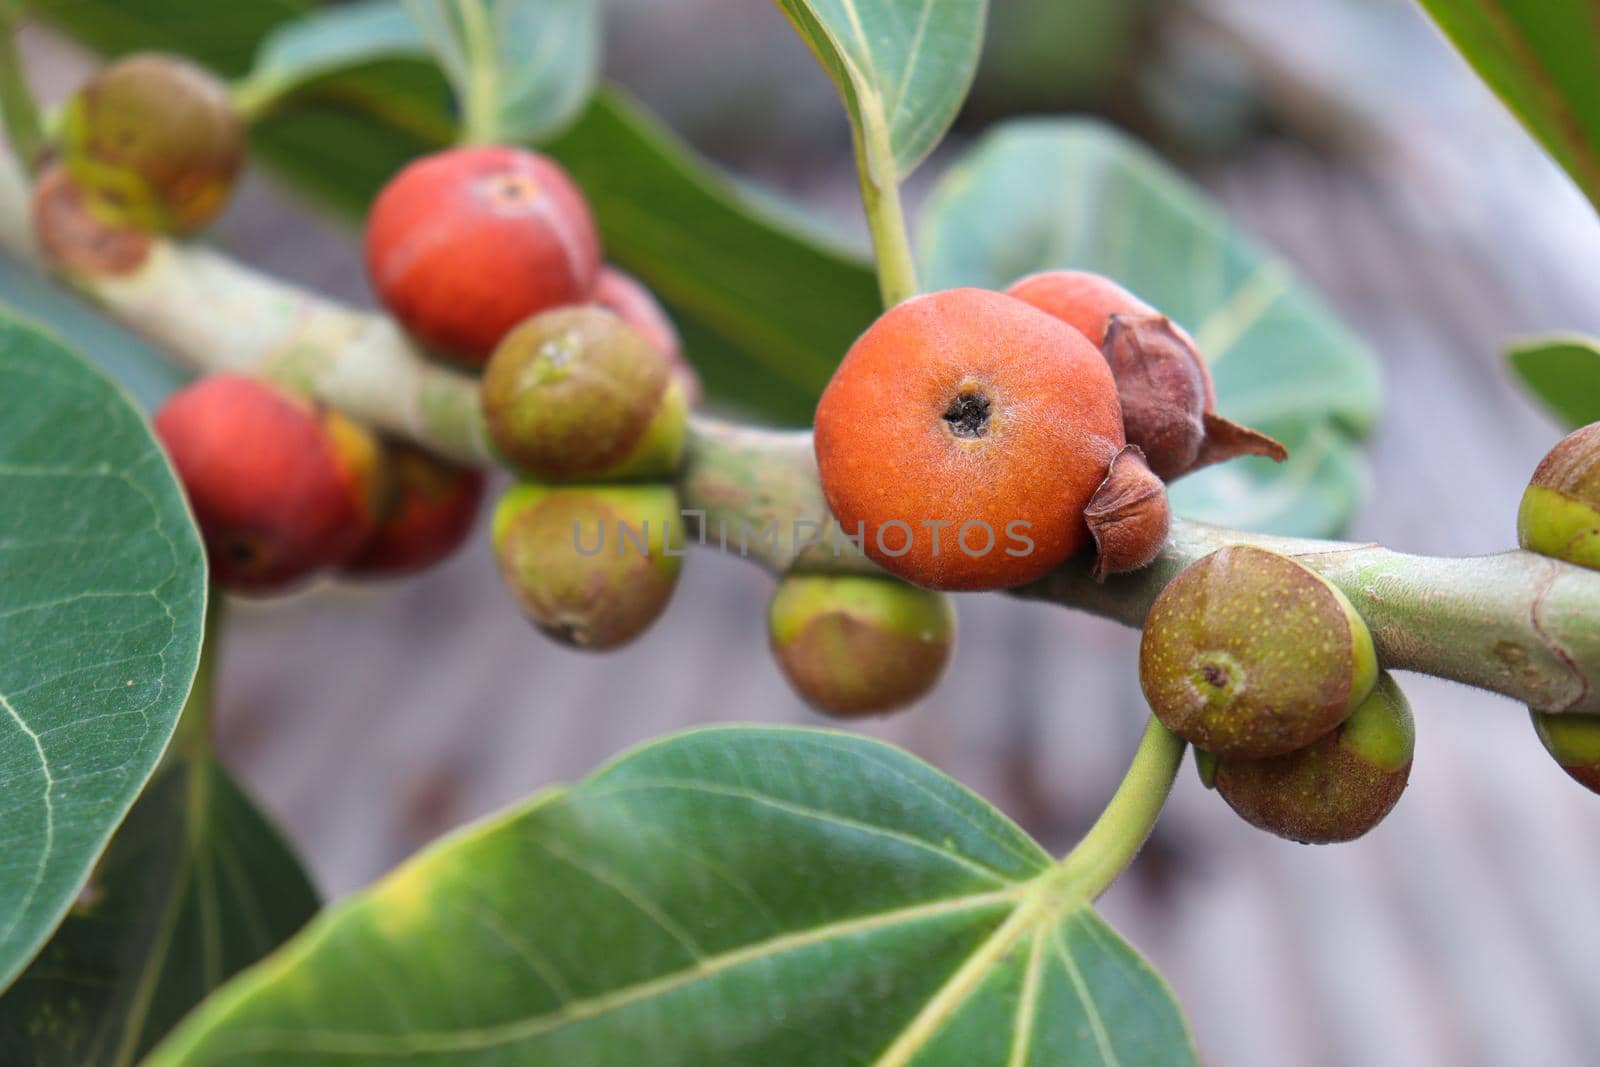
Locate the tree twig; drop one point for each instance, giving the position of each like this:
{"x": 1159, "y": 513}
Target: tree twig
{"x": 1515, "y": 623}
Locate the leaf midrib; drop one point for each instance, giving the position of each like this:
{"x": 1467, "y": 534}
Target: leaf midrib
{"x": 479, "y": 1039}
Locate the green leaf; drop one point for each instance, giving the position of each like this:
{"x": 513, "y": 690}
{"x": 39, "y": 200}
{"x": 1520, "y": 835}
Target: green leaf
{"x": 102, "y": 593}
{"x": 329, "y": 41}
{"x": 1038, "y": 194}
{"x": 903, "y": 67}
{"x": 765, "y": 340}
{"x": 729, "y": 896}
{"x": 195, "y": 886}
{"x": 1564, "y": 374}
{"x": 1542, "y": 57}
{"x": 521, "y": 68}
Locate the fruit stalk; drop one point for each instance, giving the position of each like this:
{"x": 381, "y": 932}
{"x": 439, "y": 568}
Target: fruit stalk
{"x": 1125, "y": 824}
{"x": 1516, "y": 623}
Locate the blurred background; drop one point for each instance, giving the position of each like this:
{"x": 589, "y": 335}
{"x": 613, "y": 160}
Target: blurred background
{"x": 1346, "y": 135}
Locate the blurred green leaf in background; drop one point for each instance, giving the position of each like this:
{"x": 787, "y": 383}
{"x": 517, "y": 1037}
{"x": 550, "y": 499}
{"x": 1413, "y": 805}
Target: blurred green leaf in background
{"x": 1563, "y": 373}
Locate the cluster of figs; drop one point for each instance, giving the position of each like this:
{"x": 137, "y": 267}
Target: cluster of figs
{"x": 970, "y": 440}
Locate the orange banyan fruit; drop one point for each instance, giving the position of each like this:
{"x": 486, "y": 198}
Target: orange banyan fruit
{"x": 963, "y": 436}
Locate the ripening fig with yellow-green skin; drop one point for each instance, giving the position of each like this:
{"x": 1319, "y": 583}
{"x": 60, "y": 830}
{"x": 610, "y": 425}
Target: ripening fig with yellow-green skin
{"x": 591, "y": 566}
{"x": 1249, "y": 653}
{"x": 860, "y": 644}
{"x": 578, "y": 394}
{"x": 155, "y": 143}
{"x": 1560, "y": 512}
{"x": 1574, "y": 742}
{"x": 1336, "y": 788}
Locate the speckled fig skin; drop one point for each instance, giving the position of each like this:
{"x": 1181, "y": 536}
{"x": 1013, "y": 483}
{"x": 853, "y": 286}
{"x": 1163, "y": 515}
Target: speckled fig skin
{"x": 855, "y": 645}
{"x": 1168, "y": 400}
{"x": 967, "y": 406}
{"x": 281, "y": 488}
{"x": 1336, "y": 788}
{"x": 577, "y": 394}
{"x": 155, "y": 143}
{"x": 627, "y": 297}
{"x": 572, "y": 557}
{"x": 1249, "y": 653}
{"x": 1573, "y": 741}
{"x": 1560, "y": 512}
{"x": 427, "y": 513}
{"x": 464, "y": 244}
{"x": 74, "y": 239}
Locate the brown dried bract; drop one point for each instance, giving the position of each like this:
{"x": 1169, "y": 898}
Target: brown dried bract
{"x": 1167, "y": 400}
{"x": 73, "y": 239}
{"x": 1128, "y": 515}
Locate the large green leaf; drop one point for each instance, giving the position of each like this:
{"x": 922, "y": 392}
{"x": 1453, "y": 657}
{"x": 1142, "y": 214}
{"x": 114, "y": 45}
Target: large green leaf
{"x": 527, "y": 65}
{"x": 195, "y": 886}
{"x": 778, "y": 897}
{"x": 766, "y": 307}
{"x": 902, "y": 66}
{"x": 102, "y": 593}
{"x": 1543, "y": 59}
{"x": 1564, "y": 373}
{"x": 1045, "y": 193}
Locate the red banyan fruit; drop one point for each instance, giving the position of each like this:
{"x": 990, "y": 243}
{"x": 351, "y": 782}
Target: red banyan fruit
{"x": 1168, "y": 399}
{"x": 282, "y": 488}
{"x": 969, "y": 440}
{"x": 464, "y": 244}
{"x": 427, "y": 513}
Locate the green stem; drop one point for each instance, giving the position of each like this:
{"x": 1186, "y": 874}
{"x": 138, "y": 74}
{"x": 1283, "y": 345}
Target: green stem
{"x": 480, "y": 109}
{"x": 1122, "y": 829}
{"x": 886, "y": 218}
{"x": 1516, "y": 623}
{"x": 17, "y": 107}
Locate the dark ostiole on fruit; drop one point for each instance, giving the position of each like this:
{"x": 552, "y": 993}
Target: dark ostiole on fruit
{"x": 1166, "y": 400}
{"x": 968, "y": 414}
{"x": 1128, "y": 515}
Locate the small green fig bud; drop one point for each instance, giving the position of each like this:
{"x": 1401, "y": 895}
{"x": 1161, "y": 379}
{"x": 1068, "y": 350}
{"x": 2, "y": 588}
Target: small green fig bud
{"x": 1560, "y": 512}
{"x": 1336, "y": 788}
{"x": 860, "y": 644}
{"x": 591, "y": 566}
{"x": 576, "y": 393}
{"x": 155, "y": 143}
{"x": 1249, "y": 653}
{"x": 1574, "y": 742}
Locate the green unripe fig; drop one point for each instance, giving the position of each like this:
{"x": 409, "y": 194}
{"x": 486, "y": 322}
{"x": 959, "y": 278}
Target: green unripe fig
{"x": 860, "y": 644}
{"x": 1560, "y": 512}
{"x": 1574, "y": 742}
{"x": 591, "y": 566}
{"x": 578, "y": 394}
{"x": 1249, "y": 653}
{"x": 155, "y": 143}
{"x": 1336, "y": 788}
